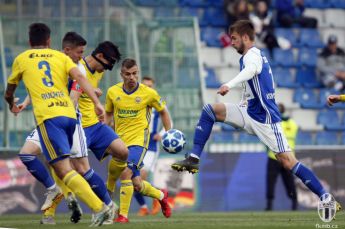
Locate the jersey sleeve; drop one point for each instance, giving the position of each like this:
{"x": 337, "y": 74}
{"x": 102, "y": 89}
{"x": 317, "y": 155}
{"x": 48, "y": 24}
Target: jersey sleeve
{"x": 109, "y": 107}
{"x": 253, "y": 59}
{"x": 16, "y": 74}
{"x": 157, "y": 102}
{"x": 69, "y": 64}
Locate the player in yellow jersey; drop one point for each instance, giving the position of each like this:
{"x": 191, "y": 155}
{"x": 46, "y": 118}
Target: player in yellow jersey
{"x": 331, "y": 99}
{"x": 100, "y": 138}
{"x": 129, "y": 104}
{"x": 45, "y": 74}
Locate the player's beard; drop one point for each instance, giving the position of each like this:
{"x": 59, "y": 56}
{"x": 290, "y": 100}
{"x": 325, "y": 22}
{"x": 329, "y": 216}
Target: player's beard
{"x": 241, "y": 48}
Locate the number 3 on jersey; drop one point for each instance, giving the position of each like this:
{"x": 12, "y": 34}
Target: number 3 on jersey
{"x": 47, "y": 81}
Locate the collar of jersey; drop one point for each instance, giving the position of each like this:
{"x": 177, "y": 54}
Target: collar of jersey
{"x": 88, "y": 67}
{"x": 131, "y": 92}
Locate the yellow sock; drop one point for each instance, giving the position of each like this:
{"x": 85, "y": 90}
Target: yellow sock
{"x": 65, "y": 190}
{"x": 126, "y": 193}
{"x": 82, "y": 189}
{"x": 148, "y": 190}
{"x": 115, "y": 169}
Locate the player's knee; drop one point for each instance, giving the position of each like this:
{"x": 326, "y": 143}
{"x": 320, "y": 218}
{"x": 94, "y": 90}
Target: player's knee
{"x": 137, "y": 187}
{"x": 219, "y": 111}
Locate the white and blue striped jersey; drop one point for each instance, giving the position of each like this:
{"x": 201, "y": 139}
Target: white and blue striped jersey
{"x": 259, "y": 90}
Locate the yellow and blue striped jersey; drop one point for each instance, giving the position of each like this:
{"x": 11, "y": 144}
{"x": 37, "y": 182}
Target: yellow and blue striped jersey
{"x": 86, "y": 106}
{"x": 132, "y": 112}
{"x": 45, "y": 75}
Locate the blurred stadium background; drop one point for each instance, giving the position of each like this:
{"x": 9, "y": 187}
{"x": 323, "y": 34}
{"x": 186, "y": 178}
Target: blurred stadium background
{"x": 178, "y": 43}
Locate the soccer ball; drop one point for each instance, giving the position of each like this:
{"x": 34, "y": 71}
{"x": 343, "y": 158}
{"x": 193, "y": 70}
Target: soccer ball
{"x": 173, "y": 141}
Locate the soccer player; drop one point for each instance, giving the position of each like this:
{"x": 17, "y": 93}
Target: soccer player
{"x": 45, "y": 74}
{"x": 331, "y": 99}
{"x": 73, "y": 45}
{"x": 259, "y": 115}
{"x": 129, "y": 104}
{"x": 151, "y": 155}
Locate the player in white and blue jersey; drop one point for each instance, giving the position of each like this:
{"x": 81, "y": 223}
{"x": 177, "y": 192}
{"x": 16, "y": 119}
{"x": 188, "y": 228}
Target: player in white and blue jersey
{"x": 257, "y": 114}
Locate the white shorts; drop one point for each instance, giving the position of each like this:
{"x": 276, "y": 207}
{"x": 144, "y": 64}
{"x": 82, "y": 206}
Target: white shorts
{"x": 270, "y": 134}
{"x": 150, "y": 160}
{"x": 79, "y": 146}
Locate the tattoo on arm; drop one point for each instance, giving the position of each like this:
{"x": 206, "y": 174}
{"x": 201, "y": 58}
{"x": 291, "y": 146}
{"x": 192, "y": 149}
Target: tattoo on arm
{"x": 9, "y": 94}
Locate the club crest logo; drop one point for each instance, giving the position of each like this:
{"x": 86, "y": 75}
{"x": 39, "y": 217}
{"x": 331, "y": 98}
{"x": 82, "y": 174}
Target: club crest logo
{"x": 137, "y": 99}
{"x": 327, "y": 207}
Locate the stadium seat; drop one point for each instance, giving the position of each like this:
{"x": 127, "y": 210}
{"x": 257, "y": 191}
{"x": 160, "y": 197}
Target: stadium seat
{"x": 307, "y": 57}
{"x": 330, "y": 120}
{"x": 288, "y": 34}
{"x": 211, "y": 36}
{"x": 284, "y": 78}
{"x": 318, "y": 14}
{"x": 307, "y": 98}
{"x": 307, "y": 78}
{"x": 222, "y": 137}
{"x": 196, "y": 3}
{"x": 342, "y": 140}
{"x": 327, "y": 138}
{"x": 211, "y": 79}
{"x": 247, "y": 138}
{"x": 304, "y": 138}
{"x": 337, "y": 3}
{"x": 211, "y": 56}
{"x": 320, "y": 4}
{"x": 215, "y": 17}
{"x": 217, "y": 3}
{"x": 335, "y": 17}
{"x": 284, "y": 58}
{"x": 310, "y": 38}
{"x": 324, "y": 93}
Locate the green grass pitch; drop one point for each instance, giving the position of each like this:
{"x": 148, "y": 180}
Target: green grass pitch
{"x": 188, "y": 220}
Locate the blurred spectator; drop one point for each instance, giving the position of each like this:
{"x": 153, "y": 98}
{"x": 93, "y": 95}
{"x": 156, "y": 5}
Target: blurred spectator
{"x": 291, "y": 11}
{"x": 331, "y": 65}
{"x": 274, "y": 168}
{"x": 261, "y": 18}
{"x": 236, "y": 10}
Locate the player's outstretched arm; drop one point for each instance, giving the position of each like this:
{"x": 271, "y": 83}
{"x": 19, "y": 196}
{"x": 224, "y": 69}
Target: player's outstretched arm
{"x": 331, "y": 99}
{"x": 89, "y": 90}
{"x": 166, "y": 120}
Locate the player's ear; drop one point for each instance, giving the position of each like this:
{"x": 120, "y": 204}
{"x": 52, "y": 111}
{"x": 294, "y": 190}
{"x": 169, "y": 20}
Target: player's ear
{"x": 48, "y": 42}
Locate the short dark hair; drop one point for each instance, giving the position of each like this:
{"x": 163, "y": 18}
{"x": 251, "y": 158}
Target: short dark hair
{"x": 73, "y": 39}
{"x": 243, "y": 27}
{"x": 128, "y": 63}
{"x": 148, "y": 78}
{"x": 109, "y": 50}
{"x": 39, "y": 33}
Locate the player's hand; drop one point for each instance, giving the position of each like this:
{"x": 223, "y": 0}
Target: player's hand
{"x": 15, "y": 109}
{"x": 333, "y": 99}
{"x": 98, "y": 92}
{"x": 22, "y": 106}
{"x": 157, "y": 137}
{"x": 99, "y": 109}
{"x": 223, "y": 90}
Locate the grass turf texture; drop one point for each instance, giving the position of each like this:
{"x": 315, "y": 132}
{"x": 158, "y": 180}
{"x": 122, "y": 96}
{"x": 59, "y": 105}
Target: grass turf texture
{"x": 216, "y": 220}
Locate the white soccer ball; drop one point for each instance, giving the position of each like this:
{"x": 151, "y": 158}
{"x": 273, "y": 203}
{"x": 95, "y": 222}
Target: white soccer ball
{"x": 173, "y": 141}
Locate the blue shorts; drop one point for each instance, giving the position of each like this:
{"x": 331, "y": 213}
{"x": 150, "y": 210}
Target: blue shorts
{"x": 56, "y": 137}
{"x": 98, "y": 139}
{"x": 136, "y": 156}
